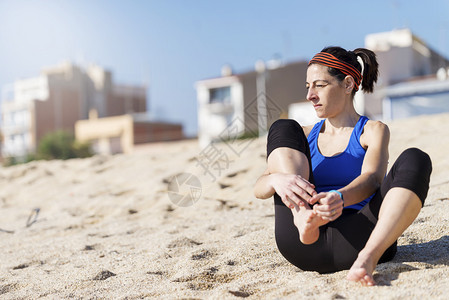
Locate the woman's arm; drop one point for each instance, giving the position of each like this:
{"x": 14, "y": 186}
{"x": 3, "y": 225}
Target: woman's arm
{"x": 285, "y": 175}
{"x": 286, "y": 171}
{"x": 291, "y": 188}
{"x": 375, "y": 138}
{"x": 263, "y": 189}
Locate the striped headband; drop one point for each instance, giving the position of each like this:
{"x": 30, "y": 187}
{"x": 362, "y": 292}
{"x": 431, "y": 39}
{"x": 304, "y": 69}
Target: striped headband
{"x": 327, "y": 59}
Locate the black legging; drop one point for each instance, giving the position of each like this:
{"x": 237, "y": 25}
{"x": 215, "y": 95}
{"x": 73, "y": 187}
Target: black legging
{"x": 341, "y": 240}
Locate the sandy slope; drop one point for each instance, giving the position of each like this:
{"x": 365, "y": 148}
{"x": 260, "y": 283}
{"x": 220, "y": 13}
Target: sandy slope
{"x": 106, "y": 228}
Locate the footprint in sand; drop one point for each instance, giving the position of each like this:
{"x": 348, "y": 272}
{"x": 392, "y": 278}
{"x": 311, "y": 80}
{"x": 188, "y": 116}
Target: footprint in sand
{"x": 160, "y": 273}
{"x": 183, "y": 242}
{"x": 89, "y": 248}
{"x": 103, "y": 275}
{"x": 21, "y": 266}
{"x": 231, "y": 262}
{"x": 26, "y": 265}
{"x": 226, "y": 205}
{"x": 240, "y": 233}
{"x": 231, "y": 179}
{"x": 132, "y": 211}
{"x": 9, "y": 287}
{"x": 206, "y": 280}
{"x": 240, "y": 294}
{"x": 224, "y": 185}
{"x": 230, "y": 175}
{"x": 203, "y": 254}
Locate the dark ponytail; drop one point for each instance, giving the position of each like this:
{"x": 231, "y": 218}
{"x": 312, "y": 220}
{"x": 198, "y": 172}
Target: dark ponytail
{"x": 370, "y": 65}
{"x": 370, "y": 68}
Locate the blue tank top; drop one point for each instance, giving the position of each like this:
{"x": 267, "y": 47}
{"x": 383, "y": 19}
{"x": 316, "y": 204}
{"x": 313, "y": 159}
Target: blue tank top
{"x": 335, "y": 172}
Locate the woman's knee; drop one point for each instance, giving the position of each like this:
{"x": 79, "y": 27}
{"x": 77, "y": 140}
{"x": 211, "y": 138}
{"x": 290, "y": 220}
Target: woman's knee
{"x": 412, "y": 171}
{"x": 285, "y": 123}
{"x": 286, "y": 133}
{"x": 416, "y": 160}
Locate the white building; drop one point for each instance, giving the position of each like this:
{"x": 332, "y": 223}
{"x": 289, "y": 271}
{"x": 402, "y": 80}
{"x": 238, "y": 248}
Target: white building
{"x": 229, "y": 105}
{"x": 56, "y": 99}
{"x": 220, "y": 101}
{"x": 401, "y": 56}
{"x": 17, "y": 117}
{"x": 428, "y": 95}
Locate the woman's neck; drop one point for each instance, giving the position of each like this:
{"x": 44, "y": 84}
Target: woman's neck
{"x": 347, "y": 118}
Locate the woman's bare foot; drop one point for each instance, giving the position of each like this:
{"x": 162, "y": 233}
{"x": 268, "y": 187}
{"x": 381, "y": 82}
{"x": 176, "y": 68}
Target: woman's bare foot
{"x": 362, "y": 270}
{"x": 308, "y": 223}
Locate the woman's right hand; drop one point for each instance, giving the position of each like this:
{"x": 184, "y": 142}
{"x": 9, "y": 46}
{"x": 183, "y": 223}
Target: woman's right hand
{"x": 293, "y": 189}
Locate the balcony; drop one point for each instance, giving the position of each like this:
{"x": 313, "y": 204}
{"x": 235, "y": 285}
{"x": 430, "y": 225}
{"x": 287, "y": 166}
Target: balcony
{"x": 220, "y": 108}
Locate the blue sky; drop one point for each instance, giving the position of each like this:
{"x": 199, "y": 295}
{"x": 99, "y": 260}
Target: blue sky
{"x": 171, "y": 44}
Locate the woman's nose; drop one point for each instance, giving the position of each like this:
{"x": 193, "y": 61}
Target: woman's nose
{"x": 310, "y": 94}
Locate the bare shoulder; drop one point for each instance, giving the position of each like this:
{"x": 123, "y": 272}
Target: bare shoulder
{"x": 374, "y": 132}
{"x": 307, "y": 129}
{"x": 376, "y": 127}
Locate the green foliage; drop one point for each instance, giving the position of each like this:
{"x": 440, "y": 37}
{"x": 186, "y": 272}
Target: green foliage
{"x": 10, "y": 161}
{"x": 61, "y": 145}
{"x": 243, "y": 136}
{"x": 248, "y": 135}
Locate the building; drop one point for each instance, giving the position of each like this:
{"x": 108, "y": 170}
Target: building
{"x": 232, "y": 102}
{"x": 419, "y": 95}
{"x": 403, "y": 58}
{"x": 251, "y": 101}
{"x": 407, "y": 84}
{"x": 119, "y": 134}
{"x": 58, "y": 98}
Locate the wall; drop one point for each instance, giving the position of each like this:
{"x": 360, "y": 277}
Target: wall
{"x": 59, "y": 112}
{"x": 124, "y": 100}
{"x": 156, "y": 132}
{"x": 104, "y": 133}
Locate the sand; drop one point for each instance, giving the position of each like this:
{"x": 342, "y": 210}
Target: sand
{"x": 105, "y": 227}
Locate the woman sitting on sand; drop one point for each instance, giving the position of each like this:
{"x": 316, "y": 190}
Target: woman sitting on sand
{"x": 334, "y": 207}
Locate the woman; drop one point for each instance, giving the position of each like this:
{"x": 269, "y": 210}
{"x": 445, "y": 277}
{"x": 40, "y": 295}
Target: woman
{"x": 334, "y": 207}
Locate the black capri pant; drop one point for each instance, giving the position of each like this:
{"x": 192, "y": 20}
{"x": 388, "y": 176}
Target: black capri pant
{"x": 341, "y": 240}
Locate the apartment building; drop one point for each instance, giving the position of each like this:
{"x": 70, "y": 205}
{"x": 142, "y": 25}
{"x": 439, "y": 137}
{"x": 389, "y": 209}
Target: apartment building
{"x": 56, "y": 99}
{"x": 248, "y": 103}
{"x": 407, "y": 62}
{"x": 407, "y": 86}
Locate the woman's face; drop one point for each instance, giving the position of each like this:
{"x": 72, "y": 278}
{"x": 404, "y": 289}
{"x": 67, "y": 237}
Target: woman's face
{"x": 325, "y": 92}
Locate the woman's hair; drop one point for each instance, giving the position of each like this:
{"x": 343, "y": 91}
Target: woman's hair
{"x": 370, "y": 65}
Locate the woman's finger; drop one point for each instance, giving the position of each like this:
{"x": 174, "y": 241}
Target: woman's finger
{"x": 328, "y": 211}
{"x": 317, "y": 198}
{"x": 306, "y": 185}
{"x": 328, "y": 207}
{"x": 290, "y": 203}
{"x": 300, "y": 193}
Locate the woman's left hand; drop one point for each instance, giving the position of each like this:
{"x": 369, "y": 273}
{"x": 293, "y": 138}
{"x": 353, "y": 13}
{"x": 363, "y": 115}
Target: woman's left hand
{"x": 329, "y": 205}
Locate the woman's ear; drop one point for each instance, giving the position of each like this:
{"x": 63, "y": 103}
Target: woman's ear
{"x": 349, "y": 84}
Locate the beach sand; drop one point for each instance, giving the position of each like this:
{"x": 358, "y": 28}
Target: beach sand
{"x": 105, "y": 227}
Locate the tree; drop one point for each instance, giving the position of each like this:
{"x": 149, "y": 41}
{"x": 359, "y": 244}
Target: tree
{"x": 61, "y": 145}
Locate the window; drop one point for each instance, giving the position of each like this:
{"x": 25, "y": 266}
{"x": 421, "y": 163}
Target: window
{"x": 222, "y": 95}
{"x": 17, "y": 118}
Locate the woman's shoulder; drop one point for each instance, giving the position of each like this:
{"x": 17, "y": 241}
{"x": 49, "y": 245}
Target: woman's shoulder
{"x": 376, "y": 126}
{"x": 307, "y": 129}
{"x": 374, "y": 131}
